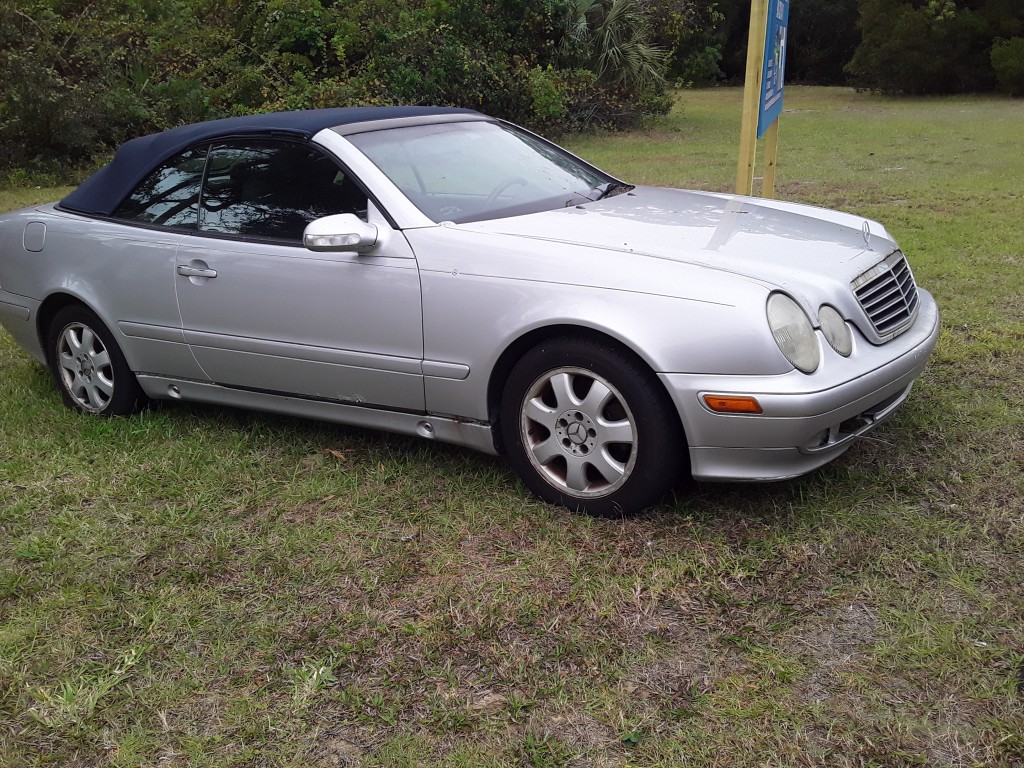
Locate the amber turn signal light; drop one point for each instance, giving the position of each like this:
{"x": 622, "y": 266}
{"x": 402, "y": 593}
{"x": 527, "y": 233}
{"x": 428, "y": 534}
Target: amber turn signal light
{"x": 732, "y": 404}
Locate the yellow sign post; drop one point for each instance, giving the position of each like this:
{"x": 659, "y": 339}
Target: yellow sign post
{"x": 762, "y": 93}
{"x": 751, "y": 97}
{"x": 771, "y": 159}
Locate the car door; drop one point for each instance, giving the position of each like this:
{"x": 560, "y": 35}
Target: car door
{"x": 260, "y": 311}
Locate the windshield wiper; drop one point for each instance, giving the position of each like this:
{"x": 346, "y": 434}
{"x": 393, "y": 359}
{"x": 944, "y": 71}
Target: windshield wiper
{"x": 610, "y": 189}
{"x": 600, "y": 192}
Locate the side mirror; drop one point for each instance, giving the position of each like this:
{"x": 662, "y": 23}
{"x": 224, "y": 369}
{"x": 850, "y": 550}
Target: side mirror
{"x": 341, "y": 232}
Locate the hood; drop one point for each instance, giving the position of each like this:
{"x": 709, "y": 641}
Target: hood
{"x": 795, "y": 247}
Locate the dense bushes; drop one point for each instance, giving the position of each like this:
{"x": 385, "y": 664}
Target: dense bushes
{"x": 936, "y": 46}
{"x": 62, "y": 91}
{"x": 1008, "y": 64}
{"x": 78, "y": 77}
{"x": 689, "y": 32}
{"x": 939, "y": 46}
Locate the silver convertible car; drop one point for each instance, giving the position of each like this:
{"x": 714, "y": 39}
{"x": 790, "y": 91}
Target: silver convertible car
{"x": 437, "y": 272}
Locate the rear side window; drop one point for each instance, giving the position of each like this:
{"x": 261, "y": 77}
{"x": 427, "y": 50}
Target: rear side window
{"x": 169, "y": 196}
{"x": 273, "y": 189}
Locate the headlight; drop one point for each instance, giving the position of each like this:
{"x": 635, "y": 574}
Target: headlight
{"x": 837, "y": 332}
{"x": 793, "y": 332}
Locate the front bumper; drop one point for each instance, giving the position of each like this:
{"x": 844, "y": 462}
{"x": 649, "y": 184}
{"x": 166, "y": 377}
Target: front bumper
{"x": 808, "y": 420}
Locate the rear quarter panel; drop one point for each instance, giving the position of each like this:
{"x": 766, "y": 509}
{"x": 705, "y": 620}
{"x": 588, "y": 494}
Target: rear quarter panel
{"x": 124, "y": 274}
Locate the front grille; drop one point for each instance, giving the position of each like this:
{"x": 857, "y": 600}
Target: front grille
{"x": 888, "y": 295}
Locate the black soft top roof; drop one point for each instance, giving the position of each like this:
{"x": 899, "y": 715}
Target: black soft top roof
{"x": 102, "y": 192}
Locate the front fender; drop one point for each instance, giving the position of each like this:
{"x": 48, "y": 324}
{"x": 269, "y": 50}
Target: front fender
{"x": 483, "y": 293}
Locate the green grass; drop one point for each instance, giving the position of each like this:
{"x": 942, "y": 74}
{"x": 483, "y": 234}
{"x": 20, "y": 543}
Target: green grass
{"x": 207, "y": 587}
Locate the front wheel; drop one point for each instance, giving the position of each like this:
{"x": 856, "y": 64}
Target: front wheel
{"x": 588, "y": 426}
{"x": 88, "y": 366}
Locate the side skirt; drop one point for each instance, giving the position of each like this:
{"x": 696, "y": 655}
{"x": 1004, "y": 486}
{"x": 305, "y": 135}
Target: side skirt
{"x": 471, "y": 434}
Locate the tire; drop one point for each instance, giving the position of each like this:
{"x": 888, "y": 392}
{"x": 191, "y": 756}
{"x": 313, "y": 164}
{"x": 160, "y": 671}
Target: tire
{"x": 588, "y": 426}
{"x": 88, "y": 367}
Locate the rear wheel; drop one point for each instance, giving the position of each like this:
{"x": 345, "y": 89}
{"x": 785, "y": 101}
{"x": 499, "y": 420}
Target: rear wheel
{"x": 588, "y": 426}
{"x": 88, "y": 366}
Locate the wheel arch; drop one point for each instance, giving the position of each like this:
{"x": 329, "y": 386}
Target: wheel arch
{"x": 520, "y": 346}
{"x": 103, "y": 382}
{"x": 51, "y": 305}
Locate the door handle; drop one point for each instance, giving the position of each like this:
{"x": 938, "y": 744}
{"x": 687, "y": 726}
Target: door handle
{"x": 186, "y": 271}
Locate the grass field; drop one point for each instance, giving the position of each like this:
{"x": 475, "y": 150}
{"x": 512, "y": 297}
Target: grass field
{"x": 206, "y": 587}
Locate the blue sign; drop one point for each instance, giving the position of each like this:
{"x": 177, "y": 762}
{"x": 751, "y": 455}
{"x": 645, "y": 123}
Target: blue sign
{"x": 774, "y": 68}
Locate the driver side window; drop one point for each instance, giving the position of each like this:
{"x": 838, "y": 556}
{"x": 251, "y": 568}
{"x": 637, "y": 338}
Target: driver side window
{"x": 273, "y": 189}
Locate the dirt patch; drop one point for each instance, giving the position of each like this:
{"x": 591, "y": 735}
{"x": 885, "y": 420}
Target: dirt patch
{"x": 339, "y": 748}
{"x": 830, "y": 643}
{"x": 591, "y": 744}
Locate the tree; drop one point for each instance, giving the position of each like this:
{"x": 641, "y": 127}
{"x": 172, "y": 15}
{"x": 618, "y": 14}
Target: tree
{"x": 613, "y": 39}
{"x": 689, "y": 30}
{"x": 932, "y": 46}
{"x": 823, "y": 35}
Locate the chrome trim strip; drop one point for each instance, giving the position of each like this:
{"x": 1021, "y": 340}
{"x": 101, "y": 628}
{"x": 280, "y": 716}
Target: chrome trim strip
{"x": 155, "y": 332}
{"x": 442, "y": 370}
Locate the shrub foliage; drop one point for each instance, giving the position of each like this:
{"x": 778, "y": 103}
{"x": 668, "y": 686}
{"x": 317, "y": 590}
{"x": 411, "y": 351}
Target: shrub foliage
{"x": 937, "y": 46}
{"x": 1008, "y": 63}
{"x": 78, "y": 76}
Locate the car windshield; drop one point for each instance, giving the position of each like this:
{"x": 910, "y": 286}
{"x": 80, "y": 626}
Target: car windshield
{"x": 473, "y": 171}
